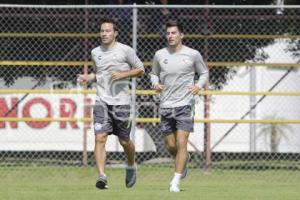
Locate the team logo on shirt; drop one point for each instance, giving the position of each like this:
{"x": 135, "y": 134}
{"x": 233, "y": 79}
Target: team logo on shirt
{"x": 98, "y": 126}
{"x": 165, "y": 61}
{"x": 99, "y": 57}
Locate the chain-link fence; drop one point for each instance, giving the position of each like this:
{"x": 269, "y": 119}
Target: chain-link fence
{"x": 247, "y": 120}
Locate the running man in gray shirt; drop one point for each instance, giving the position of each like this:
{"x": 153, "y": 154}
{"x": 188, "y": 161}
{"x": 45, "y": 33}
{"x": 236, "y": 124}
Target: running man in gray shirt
{"x": 172, "y": 75}
{"x": 114, "y": 64}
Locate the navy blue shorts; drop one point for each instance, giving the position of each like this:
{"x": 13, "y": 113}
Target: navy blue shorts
{"x": 112, "y": 119}
{"x": 178, "y": 118}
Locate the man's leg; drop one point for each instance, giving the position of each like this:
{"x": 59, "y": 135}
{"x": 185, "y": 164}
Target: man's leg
{"x": 177, "y": 147}
{"x": 122, "y": 127}
{"x": 182, "y": 153}
{"x": 184, "y": 125}
{"x": 100, "y": 158}
{"x": 181, "y": 138}
{"x": 129, "y": 150}
{"x": 102, "y": 127}
{"x": 168, "y": 125}
{"x": 170, "y": 143}
{"x": 100, "y": 152}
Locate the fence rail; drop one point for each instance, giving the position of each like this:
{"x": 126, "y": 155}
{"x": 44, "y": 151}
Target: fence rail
{"x": 145, "y": 92}
{"x": 5, "y": 63}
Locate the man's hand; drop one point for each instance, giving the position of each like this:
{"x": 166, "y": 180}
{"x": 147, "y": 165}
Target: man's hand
{"x": 117, "y": 76}
{"x": 85, "y": 78}
{"x": 158, "y": 87}
{"x": 194, "y": 89}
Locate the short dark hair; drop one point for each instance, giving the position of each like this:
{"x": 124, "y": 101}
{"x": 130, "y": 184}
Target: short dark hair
{"x": 110, "y": 21}
{"x": 172, "y": 23}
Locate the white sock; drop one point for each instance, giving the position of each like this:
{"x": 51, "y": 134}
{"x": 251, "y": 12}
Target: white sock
{"x": 102, "y": 174}
{"x": 176, "y": 178}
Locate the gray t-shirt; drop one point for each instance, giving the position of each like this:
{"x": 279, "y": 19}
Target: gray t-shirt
{"x": 118, "y": 58}
{"x": 176, "y": 71}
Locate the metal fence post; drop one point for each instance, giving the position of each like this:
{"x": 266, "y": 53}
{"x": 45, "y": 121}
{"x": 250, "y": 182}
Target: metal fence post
{"x": 133, "y": 81}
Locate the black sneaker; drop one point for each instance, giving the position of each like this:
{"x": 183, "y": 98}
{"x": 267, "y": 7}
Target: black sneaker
{"x": 102, "y": 182}
{"x": 130, "y": 176}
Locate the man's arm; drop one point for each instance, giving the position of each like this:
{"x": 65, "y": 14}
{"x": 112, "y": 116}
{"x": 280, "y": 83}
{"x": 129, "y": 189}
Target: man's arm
{"x": 117, "y": 75}
{"x": 85, "y": 78}
{"x": 202, "y": 70}
{"x": 155, "y": 83}
{"x": 136, "y": 64}
{"x": 154, "y": 75}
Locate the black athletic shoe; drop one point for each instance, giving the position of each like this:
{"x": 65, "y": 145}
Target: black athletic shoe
{"x": 102, "y": 182}
{"x": 130, "y": 176}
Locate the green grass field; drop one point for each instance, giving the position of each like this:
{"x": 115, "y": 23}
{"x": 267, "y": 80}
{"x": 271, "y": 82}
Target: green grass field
{"x": 64, "y": 183}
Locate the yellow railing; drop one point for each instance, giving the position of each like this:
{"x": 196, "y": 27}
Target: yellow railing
{"x": 146, "y": 63}
{"x": 146, "y": 92}
{"x": 154, "y": 120}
